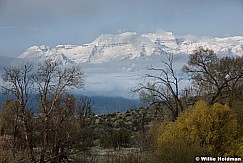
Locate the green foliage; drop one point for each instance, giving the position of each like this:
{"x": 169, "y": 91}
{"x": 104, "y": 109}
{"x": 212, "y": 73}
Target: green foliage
{"x": 202, "y": 129}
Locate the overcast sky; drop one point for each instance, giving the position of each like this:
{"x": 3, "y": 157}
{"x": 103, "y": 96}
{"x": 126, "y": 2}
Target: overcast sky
{"x": 24, "y": 23}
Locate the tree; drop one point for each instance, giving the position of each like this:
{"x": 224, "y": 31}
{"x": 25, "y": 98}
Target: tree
{"x": 18, "y": 82}
{"x": 116, "y": 138}
{"x": 215, "y": 77}
{"x": 204, "y": 128}
{"x": 52, "y": 81}
{"x": 163, "y": 89}
{"x": 53, "y": 130}
{"x": 9, "y": 122}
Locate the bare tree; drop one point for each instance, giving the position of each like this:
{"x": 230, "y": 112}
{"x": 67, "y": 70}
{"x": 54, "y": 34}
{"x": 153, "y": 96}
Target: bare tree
{"x": 85, "y": 119}
{"x": 212, "y": 76}
{"x": 18, "y": 83}
{"x": 52, "y": 81}
{"x": 163, "y": 89}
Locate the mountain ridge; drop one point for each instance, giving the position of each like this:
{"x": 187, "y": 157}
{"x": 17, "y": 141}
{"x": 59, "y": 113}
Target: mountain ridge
{"x": 131, "y": 45}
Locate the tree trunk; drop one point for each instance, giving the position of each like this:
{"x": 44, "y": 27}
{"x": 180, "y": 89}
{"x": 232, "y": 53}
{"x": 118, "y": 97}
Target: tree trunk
{"x": 44, "y": 140}
{"x": 27, "y": 135}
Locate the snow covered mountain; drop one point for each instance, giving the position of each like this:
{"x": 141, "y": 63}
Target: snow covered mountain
{"x": 113, "y": 64}
{"x": 131, "y": 45}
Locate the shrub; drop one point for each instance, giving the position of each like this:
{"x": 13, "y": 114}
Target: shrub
{"x": 198, "y": 131}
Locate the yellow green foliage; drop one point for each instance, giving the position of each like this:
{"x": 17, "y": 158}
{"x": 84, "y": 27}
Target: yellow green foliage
{"x": 201, "y": 129}
{"x": 238, "y": 108}
{"x": 239, "y": 148}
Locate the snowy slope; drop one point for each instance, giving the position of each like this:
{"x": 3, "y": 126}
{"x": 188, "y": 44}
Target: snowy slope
{"x": 44, "y": 52}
